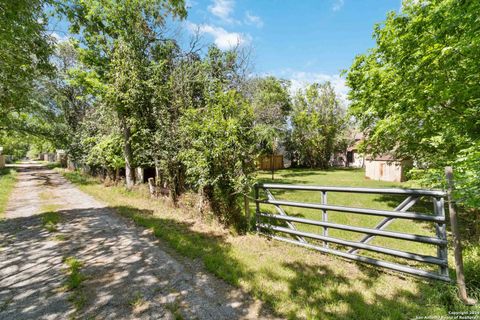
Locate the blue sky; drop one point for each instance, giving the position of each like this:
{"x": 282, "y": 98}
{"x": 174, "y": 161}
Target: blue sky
{"x": 303, "y": 40}
{"x": 299, "y": 40}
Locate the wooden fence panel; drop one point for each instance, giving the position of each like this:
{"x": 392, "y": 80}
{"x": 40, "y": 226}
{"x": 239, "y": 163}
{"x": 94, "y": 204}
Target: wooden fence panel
{"x": 267, "y": 162}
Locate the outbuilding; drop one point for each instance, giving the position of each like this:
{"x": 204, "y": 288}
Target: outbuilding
{"x": 387, "y": 168}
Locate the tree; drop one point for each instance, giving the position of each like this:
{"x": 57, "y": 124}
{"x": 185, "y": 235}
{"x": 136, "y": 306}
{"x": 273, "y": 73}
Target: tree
{"x": 219, "y": 157}
{"x": 317, "y": 119}
{"x": 217, "y": 136}
{"x": 271, "y": 105}
{"x": 25, "y": 48}
{"x": 118, "y": 39}
{"x": 68, "y": 97}
{"x": 177, "y": 85}
{"x": 416, "y": 93}
{"x": 107, "y": 153}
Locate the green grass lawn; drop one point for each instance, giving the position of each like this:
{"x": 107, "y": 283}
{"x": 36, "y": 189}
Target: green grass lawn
{"x": 7, "y": 181}
{"x": 295, "y": 282}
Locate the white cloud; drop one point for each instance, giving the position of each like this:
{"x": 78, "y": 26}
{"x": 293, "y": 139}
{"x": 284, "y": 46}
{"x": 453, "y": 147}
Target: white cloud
{"x": 253, "y": 20}
{"x": 222, "y": 9}
{"x": 190, "y": 3}
{"x": 59, "y": 38}
{"x": 337, "y": 5}
{"x": 300, "y": 80}
{"x": 222, "y": 38}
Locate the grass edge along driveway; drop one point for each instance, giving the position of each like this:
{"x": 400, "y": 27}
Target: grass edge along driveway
{"x": 7, "y": 182}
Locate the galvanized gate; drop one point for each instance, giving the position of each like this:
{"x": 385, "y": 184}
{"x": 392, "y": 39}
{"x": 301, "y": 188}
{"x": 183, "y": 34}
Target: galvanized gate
{"x": 271, "y": 225}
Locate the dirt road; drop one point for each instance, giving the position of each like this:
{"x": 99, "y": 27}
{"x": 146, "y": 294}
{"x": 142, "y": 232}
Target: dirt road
{"x": 127, "y": 273}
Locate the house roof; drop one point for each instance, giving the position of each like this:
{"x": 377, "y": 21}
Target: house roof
{"x": 383, "y": 157}
{"x": 386, "y": 157}
{"x": 358, "y": 136}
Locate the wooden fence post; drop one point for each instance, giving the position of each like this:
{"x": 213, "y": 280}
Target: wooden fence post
{"x": 152, "y": 187}
{"x": 246, "y": 203}
{"x": 457, "y": 245}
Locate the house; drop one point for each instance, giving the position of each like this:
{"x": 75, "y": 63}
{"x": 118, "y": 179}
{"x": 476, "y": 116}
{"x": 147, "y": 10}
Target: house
{"x": 354, "y": 158}
{"x": 351, "y": 156}
{"x": 387, "y": 168}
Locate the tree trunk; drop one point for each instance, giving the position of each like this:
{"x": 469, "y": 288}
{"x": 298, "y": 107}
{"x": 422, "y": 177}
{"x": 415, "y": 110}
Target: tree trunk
{"x": 205, "y": 202}
{"x": 152, "y": 188}
{"x": 272, "y": 166}
{"x": 127, "y": 150}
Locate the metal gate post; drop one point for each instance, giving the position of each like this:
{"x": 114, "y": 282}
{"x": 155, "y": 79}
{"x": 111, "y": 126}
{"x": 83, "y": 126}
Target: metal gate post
{"x": 257, "y": 207}
{"x": 441, "y": 231}
{"x": 325, "y": 217}
{"x": 457, "y": 245}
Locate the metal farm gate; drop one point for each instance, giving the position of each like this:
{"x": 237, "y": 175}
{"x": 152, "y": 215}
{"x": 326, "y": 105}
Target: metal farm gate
{"x": 271, "y": 225}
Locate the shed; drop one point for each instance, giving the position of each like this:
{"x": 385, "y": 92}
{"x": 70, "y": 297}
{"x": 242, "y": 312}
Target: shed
{"x": 387, "y": 168}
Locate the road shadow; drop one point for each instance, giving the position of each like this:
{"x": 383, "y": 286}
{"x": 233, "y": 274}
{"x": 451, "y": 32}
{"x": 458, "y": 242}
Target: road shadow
{"x": 127, "y": 273}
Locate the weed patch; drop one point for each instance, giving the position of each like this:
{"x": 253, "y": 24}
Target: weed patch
{"x": 73, "y": 283}
{"x": 50, "y": 219}
{"x": 174, "y": 308}
{"x": 7, "y": 182}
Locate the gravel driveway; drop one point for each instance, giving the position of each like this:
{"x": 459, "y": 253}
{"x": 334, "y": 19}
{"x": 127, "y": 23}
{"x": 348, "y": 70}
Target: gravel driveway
{"x": 128, "y": 273}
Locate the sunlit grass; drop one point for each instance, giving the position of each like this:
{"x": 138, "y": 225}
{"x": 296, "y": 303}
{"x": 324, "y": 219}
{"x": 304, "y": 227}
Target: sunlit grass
{"x": 295, "y": 282}
{"x": 50, "y": 217}
{"x": 73, "y": 282}
{"x": 7, "y": 182}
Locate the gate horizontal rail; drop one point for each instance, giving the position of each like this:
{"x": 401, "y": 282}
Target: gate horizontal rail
{"x": 373, "y": 212}
{"x": 390, "y": 234}
{"x": 372, "y": 261}
{"x": 438, "y": 218}
{"x": 419, "y": 192}
{"x": 353, "y": 244}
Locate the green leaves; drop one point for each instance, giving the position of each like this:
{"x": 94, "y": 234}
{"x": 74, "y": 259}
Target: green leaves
{"x": 221, "y": 144}
{"x": 417, "y": 93}
{"x": 317, "y": 120}
{"x": 107, "y": 153}
{"x": 25, "y": 48}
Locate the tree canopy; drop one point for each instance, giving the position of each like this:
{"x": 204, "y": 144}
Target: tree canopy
{"x": 417, "y": 92}
{"x": 122, "y": 92}
{"x": 317, "y": 120}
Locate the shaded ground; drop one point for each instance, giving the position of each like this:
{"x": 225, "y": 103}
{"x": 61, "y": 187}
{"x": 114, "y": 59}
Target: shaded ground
{"x": 127, "y": 273}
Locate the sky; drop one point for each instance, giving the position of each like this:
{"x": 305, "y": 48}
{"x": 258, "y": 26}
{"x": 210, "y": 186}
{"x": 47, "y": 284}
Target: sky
{"x": 303, "y": 41}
